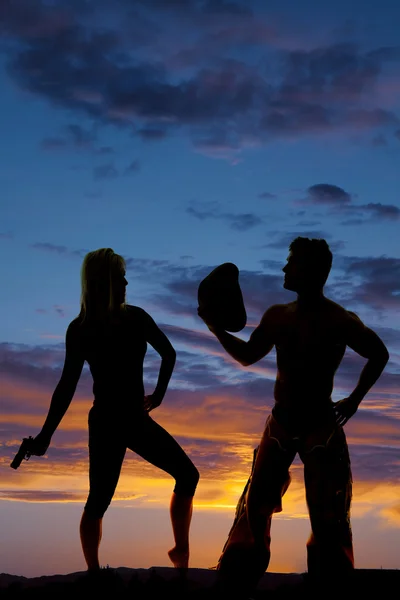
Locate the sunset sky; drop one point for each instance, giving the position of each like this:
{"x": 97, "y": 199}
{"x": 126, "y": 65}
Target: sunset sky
{"x": 185, "y": 134}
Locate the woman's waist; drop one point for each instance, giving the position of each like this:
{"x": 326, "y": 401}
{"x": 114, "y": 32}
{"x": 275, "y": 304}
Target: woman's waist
{"x": 119, "y": 405}
{"x": 118, "y": 389}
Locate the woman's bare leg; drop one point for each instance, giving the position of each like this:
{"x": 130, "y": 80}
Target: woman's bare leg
{"x": 90, "y": 532}
{"x": 181, "y": 509}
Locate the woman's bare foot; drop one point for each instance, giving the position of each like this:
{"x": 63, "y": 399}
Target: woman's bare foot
{"x": 179, "y": 558}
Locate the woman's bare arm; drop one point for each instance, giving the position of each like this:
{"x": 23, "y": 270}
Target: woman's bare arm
{"x": 161, "y": 344}
{"x": 64, "y": 391}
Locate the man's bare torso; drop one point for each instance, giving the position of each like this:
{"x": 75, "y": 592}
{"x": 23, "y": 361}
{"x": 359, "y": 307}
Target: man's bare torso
{"x": 310, "y": 345}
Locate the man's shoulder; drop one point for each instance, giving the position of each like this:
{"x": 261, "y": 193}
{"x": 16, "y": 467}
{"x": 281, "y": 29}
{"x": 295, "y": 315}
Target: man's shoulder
{"x": 277, "y": 311}
{"x": 281, "y": 308}
{"x": 343, "y": 319}
{"x": 340, "y": 311}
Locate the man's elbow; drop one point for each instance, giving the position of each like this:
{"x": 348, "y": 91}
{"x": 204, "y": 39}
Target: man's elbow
{"x": 385, "y": 355}
{"x": 246, "y": 361}
{"x": 381, "y": 356}
{"x": 170, "y": 356}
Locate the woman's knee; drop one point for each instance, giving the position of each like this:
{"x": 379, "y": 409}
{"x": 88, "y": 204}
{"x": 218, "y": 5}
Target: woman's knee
{"x": 186, "y": 484}
{"x": 193, "y": 478}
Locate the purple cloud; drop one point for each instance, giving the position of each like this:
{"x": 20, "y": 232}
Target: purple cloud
{"x": 382, "y": 211}
{"x": 113, "y": 76}
{"x": 376, "y": 282}
{"x": 326, "y": 193}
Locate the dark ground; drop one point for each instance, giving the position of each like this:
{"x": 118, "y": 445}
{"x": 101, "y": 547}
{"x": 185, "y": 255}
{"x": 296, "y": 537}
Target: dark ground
{"x": 198, "y": 584}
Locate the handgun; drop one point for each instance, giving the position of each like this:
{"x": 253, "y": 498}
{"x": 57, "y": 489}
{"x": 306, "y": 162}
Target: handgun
{"x": 23, "y": 453}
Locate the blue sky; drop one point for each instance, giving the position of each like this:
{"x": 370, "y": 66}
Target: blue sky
{"x": 183, "y": 135}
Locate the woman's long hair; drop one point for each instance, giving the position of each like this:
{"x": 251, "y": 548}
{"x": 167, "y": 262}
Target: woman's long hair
{"x": 98, "y": 271}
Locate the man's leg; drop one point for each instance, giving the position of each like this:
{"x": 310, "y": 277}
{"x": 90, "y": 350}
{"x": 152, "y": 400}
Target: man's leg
{"x": 328, "y": 483}
{"x": 247, "y": 552}
{"x": 239, "y": 530}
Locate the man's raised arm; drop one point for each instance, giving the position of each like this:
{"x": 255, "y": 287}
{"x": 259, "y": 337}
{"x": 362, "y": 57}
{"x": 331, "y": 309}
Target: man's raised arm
{"x": 260, "y": 343}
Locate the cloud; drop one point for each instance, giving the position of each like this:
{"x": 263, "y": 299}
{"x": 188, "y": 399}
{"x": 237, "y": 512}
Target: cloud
{"x": 379, "y": 141}
{"x": 375, "y": 282}
{"x": 150, "y": 134}
{"x": 80, "y": 137}
{"x": 339, "y": 202}
{"x": 134, "y": 167}
{"x": 58, "y": 249}
{"x": 239, "y": 222}
{"x": 76, "y": 137}
{"x": 244, "y": 221}
{"x": 129, "y": 74}
{"x": 326, "y": 193}
{"x": 361, "y": 214}
{"x": 110, "y": 171}
{"x": 382, "y": 211}
{"x": 106, "y": 171}
{"x": 50, "y": 247}
{"x": 59, "y": 310}
{"x": 42, "y": 496}
{"x": 267, "y": 196}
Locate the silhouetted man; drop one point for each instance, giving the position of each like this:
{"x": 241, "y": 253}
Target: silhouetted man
{"x": 310, "y": 336}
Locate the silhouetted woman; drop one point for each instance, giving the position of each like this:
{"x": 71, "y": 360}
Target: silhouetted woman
{"x": 112, "y": 337}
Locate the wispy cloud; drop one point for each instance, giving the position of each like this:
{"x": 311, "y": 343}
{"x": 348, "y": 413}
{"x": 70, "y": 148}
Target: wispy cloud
{"x": 239, "y": 222}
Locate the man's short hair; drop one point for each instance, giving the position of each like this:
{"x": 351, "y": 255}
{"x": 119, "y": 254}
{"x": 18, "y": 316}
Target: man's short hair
{"x": 316, "y": 255}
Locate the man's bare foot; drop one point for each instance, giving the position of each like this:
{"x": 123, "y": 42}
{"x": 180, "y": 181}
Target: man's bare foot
{"x": 179, "y": 558}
